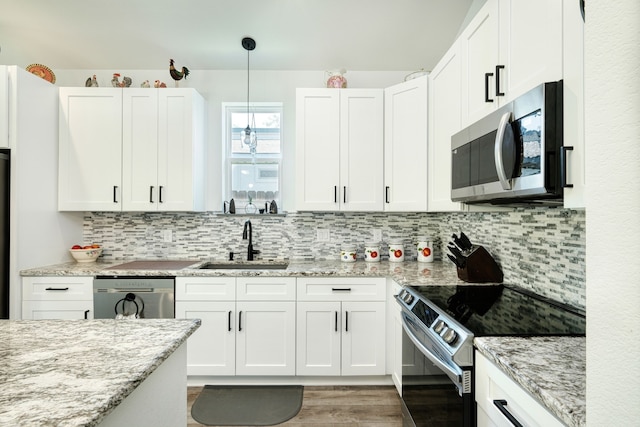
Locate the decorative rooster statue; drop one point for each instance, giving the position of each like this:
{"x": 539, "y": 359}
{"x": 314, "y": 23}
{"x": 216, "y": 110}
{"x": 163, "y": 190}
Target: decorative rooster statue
{"x": 175, "y": 74}
{"x": 91, "y": 82}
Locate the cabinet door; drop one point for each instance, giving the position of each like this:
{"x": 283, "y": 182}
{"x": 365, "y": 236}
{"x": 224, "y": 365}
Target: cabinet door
{"x": 318, "y": 339}
{"x": 445, "y": 99}
{"x": 405, "y": 146}
{"x": 361, "y": 150}
{"x": 67, "y": 310}
{"x": 140, "y": 150}
{"x": 180, "y": 150}
{"x": 480, "y": 43}
{"x": 90, "y": 167}
{"x": 530, "y": 45}
{"x": 317, "y": 149}
{"x": 363, "y": 338}
{"x": 266, "y": 336}
{"x": 211, "y": 349}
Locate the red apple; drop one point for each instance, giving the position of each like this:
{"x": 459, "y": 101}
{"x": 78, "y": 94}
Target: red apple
{"x": 374, "y": 254}
{"x": 397, "y": 253}
{"x": 76, "y": 247}
{"x": 426, "y": 252}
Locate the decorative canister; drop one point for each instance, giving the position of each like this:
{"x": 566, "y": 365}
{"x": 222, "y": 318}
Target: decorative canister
{"x": 396, "y": 252}
{"x": 372, "y": 252}
{"x": 425, "y": 249}
{"x": 348, "y": 253}
{"x": 336, "y": 79}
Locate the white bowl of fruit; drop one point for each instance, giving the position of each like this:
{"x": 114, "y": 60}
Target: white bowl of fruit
{"x": 86, "y": 253}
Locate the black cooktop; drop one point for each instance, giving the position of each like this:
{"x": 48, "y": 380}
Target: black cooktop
{"x": 502, "y": 310}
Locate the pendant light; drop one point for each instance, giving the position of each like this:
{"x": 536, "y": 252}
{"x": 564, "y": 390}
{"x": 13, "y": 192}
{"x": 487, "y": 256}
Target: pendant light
{"x": 248, "y": 136}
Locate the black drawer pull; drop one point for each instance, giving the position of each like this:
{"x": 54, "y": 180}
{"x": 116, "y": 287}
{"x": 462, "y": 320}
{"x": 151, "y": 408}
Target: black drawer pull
{"x": 501, "y": 404}
{"x": 240, "y": 321}
{"x": 86, "y": 314}
{"x": 336, "y": 328}
{"x": 57, "y": 289}
{"x": 346, "y": 321}
{"x": 486, "y": 87}
{"x": 115, "y": 194}
{"x": 151, "y": 194}
{"x": 160, "y": 194}
{"x": 340, "y": 289}
{"x": 498, "y": 68}
{"x": 229, "y": 321}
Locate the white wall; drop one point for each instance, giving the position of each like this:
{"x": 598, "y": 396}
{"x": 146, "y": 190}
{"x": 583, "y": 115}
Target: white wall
{"x": 612, "y": 111}
{"x": 218, "y": 86}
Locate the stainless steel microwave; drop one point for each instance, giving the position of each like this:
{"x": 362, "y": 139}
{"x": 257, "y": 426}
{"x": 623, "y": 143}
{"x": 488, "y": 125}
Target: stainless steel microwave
{"x": 513, "y": 155}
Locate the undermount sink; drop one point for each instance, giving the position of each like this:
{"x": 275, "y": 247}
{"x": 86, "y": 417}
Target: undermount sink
{"x": 244, "y": 266}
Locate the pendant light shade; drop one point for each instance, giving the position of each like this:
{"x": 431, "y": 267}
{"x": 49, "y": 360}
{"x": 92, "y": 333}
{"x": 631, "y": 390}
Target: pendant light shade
{"x": 248, "y": 136}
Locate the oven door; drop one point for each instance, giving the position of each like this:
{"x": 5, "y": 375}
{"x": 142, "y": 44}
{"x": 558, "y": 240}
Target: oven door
{"x": 434, "y": 393}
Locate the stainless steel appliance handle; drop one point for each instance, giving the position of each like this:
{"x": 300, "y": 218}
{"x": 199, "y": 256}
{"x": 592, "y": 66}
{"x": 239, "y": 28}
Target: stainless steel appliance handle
{"x": 455, "y": 376}
{"x": 497, "y": 150}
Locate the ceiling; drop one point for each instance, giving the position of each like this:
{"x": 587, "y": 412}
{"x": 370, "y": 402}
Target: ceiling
{"x": 364, "y": 35}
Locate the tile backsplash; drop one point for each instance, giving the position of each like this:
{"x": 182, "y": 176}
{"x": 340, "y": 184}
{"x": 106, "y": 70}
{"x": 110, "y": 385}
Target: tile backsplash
{"x": 541, "y": 249}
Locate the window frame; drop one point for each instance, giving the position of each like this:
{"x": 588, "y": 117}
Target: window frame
{"x": 229, "y": 158}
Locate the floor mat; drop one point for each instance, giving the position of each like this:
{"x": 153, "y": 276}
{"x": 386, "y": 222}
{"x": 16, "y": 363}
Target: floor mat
{"x": 246, "y": 405}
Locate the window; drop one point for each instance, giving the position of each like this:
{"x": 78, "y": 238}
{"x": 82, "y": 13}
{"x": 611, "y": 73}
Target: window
{"x": 253, "y": 179}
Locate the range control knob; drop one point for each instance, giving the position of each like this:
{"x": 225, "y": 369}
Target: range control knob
{"x": 449, "y": 336}
{"x": 439, "y": 326}
{"x": 407, "y": 298}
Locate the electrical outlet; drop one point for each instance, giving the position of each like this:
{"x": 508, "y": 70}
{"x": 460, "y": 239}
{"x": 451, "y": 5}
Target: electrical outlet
{"x": 377, "y": 235}
{"x": 167, "y": 236}
{"x": 322, "y": 235}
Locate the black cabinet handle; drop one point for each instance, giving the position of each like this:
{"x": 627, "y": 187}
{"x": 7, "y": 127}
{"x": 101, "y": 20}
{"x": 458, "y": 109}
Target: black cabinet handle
{"x": 340, "y": 289}
{"x": 115, "y": 194}
{"x": 229, "y": 321}
{"x": 346, "y": 321}
{"x": 336, "y": 328}
{"x": 563, "y": 165}
{"x": 486, "y": 87}
{"x": 386, "y": 194}
{"x": 86, "y": 314}
{"x": 502, "y": 407}
{"x": 335, "y": 194}
{"x": 160, "y": 194}
{"x": 240, "y": 321}
{"x": 344, "y": 194}
{"x": 498, "y": 68}
{"x": 57, "y": 289}
{"x": 151, "y": 194}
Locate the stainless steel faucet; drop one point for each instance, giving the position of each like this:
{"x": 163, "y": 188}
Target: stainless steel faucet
{"x": 247, "y": 233}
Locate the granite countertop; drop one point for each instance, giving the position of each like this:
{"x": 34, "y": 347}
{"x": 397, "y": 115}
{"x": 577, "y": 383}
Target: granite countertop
{"x": 411, "y": 273}
{"x": 553, "y": 369}
{"x": 75, "y": 372}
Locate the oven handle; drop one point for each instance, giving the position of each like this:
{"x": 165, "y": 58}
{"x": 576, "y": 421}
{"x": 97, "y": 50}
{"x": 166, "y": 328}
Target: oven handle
{"x": 450, "y": 371}
{"x": 497, "y": 150}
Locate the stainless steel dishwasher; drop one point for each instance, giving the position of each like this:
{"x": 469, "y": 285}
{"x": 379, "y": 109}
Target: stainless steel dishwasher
{"x": 141, "y": 297}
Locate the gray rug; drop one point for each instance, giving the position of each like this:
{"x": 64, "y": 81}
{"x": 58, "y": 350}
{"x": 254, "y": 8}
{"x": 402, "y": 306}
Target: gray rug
{"x": 246, "y": 405}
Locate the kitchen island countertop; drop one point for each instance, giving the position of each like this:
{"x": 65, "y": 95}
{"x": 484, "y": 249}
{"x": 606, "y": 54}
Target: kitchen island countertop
{"x": 76, "y": 372}
{"x": 552, "y": 369}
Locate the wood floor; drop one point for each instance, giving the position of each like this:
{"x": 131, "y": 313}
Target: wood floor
{"x": 337, "y": 406}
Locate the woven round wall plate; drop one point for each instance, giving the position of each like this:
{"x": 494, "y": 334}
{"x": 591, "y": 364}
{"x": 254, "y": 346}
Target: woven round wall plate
{"x": 42, "y": 71}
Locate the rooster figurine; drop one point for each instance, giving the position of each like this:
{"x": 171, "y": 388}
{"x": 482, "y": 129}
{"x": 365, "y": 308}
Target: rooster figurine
{"x": 175, "y": 74}
{"x": 91, "y": 82}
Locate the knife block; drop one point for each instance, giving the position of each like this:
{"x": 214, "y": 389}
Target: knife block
{"x": 480, "y": 267}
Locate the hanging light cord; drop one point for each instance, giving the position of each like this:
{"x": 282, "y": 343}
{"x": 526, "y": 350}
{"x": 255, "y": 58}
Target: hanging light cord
{"x": 248, "y": 53}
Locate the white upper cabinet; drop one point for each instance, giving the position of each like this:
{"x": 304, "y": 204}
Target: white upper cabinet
{"x": 509, "y": 47}
{"x": 131, "y": 149}
{"x": 444, "y": 120}
{"x": 339, "y": 134}
{"x": 90, "y": 151}
{"x": 162, "y": 150}
{"x": 405, "y": 146}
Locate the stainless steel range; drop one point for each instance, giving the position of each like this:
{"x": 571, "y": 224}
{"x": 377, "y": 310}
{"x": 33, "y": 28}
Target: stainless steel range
{"x": 441, "y": 322}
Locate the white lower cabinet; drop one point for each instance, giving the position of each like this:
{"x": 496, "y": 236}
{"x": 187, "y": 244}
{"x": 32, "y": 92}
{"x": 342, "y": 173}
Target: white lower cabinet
{"x": 341, "y": 326}
{"x": 248, "y": 324}
{"x": 494, "y": 387}
{"x": 57, "y": 297}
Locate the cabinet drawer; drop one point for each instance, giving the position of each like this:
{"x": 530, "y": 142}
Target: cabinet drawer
{"x": 205, "y": 288}
{"x": 67, "y": 310}
{"x": 493, "y": 384}
{"x": 341, "y": 289}
{"x": 266, "y": 288}
{"x": 57, "y": 288}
